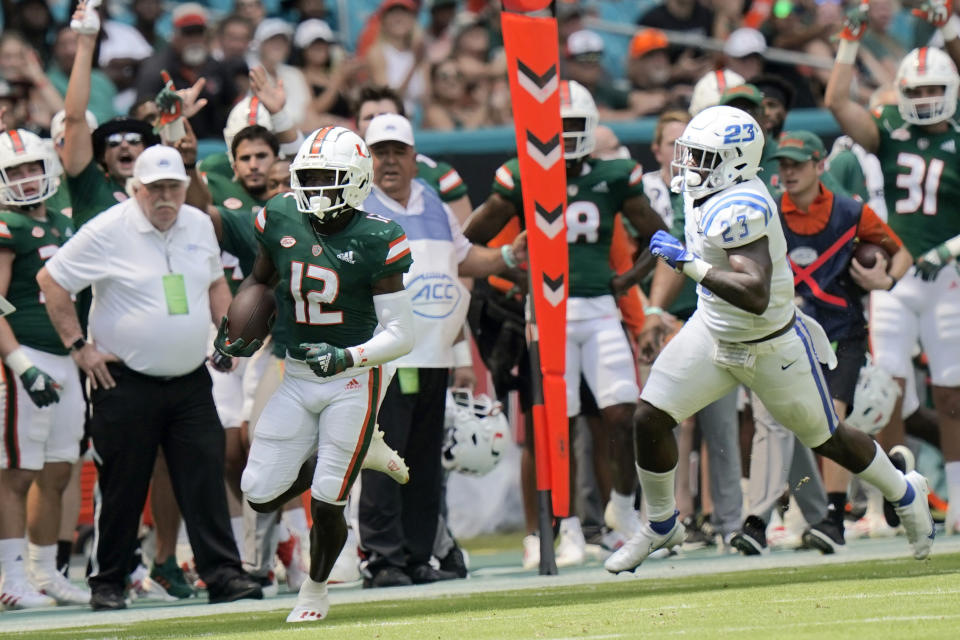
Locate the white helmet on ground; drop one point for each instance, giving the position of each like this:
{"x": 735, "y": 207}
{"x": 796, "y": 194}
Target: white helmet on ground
{"x": 246, "y": 113}
{"x": 476, "y": 433}
{"x": 927, "y": 66}
{"x": 711, "y": 87}
{"x": 720, "y": 146}
{"x": 332, "y": 149}
{"x": 576, "y": 103}
{"x": 874, "y": 399}
{"x": 18, "y": 147}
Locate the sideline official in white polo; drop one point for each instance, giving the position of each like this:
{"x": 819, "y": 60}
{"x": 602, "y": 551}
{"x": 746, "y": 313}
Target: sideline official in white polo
{"x": 154, "y": 265}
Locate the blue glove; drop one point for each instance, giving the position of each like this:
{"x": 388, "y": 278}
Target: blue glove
{"x": 41, "y": 388}
{"x": 930, "y": 263}
{"x": 325, "y": 359}
{"x": 665, "y": 246}
{"x": 237, "y": 348}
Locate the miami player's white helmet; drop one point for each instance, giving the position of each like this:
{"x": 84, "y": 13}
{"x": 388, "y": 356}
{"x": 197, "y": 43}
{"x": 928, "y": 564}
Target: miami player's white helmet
{"x": 246, "y": 113}
{"x": 720, "y": 146}
{"x": 923, "y": 67}
{"x": 873, "y": 400}
{"x": 339, "y": 150}
{"x": 476, "y": 433}
{"x": 580, "y": 111}
{"x": 711, "y": 87}
{"x": 18, "y": 147}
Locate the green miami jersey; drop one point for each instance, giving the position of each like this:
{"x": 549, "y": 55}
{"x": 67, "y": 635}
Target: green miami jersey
{"x": 92, "y": 192}
{"x": 593, "y": 200}
{"x": 921, "y": 180}
{"x": 216, "y": 163}
{"x": 441, "y": 177}
{"x": 229, "y": 194}
{"x": 33, "y": 242}
{"x": 237, "y": 212}
{"x": 325, "y": 291}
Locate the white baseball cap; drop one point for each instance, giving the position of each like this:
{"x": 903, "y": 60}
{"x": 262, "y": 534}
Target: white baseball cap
{"x": 389, "y": 126}
{"x": 744, "y": 42}
{"x": 309, "y": 31}
{"x": 272, "y": 27}
{"x": 159, "y": 162}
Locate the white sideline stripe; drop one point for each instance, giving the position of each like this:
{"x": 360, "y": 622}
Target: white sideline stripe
{"x": 713, "y": 629}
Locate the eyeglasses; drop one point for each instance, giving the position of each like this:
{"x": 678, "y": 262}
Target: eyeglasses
{"x": 116, "y": 139}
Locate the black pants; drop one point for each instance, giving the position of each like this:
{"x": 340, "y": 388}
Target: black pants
{"x": 398, "y": 523}
{"x": 129, "y": 423}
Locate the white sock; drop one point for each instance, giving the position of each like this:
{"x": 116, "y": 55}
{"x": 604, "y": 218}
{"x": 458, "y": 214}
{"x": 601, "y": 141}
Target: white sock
{"x": 620, "y": 501}
{"x": 658, "y": 493}
{"x": 571, "y": 526}
{"x": 13, "y": 559}
{"x": 43, "y": 558}
{"x": 312, "y": 588}
{"x": 236, "y": 525}
{"x": 952, "y": 470}
{"x": 884, "y": 476}
{"x": 296, "y": 519}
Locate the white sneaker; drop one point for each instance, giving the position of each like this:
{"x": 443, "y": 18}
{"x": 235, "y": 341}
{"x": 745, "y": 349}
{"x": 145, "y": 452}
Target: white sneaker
{"x": 291, "y": 557}
{"x": 347, "y": 566}
{"x": 623, "y": 521}
{"x": 380, "y": 457}
{"x": 21, "y": 595}
{"x": 646, "y": 541}
{"x": 572, "y": 547}
{"x": 915, "y": 517}
{"x": 531, "y": 551}
{"x": 151, "y": 590}
{"x": 55, "y": 585}
{"x": 313, "y": 603}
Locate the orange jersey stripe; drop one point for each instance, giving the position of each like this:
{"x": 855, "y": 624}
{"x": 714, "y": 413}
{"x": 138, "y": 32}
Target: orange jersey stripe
{"x": 373, "y": 399}
{"x": 403, "y": 253}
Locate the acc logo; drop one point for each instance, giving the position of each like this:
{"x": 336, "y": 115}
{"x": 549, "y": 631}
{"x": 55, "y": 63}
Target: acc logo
{"x": 232, "y": 203}
{"x": 37, "y": 232}
{"x": 287, "y": 241}
{"x": 803, "y": 256}
{"x": 435, "y": 295}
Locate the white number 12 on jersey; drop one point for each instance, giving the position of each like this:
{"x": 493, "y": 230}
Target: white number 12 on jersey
{"x": 311, "y": 311}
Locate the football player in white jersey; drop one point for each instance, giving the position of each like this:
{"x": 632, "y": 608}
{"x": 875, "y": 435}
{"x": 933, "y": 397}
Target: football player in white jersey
{"x": 746, "y": 330}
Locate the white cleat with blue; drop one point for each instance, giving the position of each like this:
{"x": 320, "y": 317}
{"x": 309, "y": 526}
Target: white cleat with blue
{"x": 635, "y": 550}
{"x": 915, "y": 515}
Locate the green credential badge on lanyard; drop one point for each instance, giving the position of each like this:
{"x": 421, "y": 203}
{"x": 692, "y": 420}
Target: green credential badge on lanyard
{"x": 409, "y": 380}
{"x": 175, "y": 293}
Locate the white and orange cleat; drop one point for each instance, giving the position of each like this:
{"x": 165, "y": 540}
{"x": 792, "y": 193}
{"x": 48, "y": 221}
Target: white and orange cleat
{"x": 380, "y": 457}
{"x": 20, "y": 594}
{"x": 313, "y": 602}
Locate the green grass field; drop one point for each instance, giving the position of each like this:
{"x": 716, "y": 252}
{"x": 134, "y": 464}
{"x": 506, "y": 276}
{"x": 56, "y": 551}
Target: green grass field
{"x": 898, "y": 598}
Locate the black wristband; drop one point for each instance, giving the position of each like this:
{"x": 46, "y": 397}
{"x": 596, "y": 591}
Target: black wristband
{"x": 190, "y": 167}
{"x": 78, "y": 344}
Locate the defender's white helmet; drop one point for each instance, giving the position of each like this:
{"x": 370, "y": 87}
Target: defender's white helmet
{"x": 719, "y": 147}
{"x": 927, "y": 66}
{"x": 711, "y": 87}
{"x": 17, "y": 147}
{"x": 476, "y": 433}
{"x": 335, "y": 149}
{"x": 873, "y": 400}
{"x": 577, "y": 103}
{"x": 246, "y": 113}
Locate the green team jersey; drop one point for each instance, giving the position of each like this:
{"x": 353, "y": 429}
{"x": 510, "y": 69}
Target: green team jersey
{"x": 60, "y": 200}
{"x": 921, "y": 180}
{"x": 441, "y": 177}
{"x": 92, "y": 191}
{"x": 846, "y": 174}
{"x": 230, "y": 194}
{"x": 216, "y": 163}
{"x": 593, "y": 200}
{"x": 33, "y": 242}
{"x": 325, "y": 292}
{"x": 237, "y": 211}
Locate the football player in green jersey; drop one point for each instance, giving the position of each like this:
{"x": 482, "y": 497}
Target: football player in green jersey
{"x": 444, "y": 179}
{"x": 918, "y": 145}
{"x": 596, "y": 346}
{"x": 43, "y": 403}
{"x": 339, "y": 274}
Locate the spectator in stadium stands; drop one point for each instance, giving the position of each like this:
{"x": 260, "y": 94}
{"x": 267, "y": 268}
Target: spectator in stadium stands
{"x": 31, "y": 19}
{"x": 691, "y": 16}
{"x": 743, "y": 52}
{"x": 272, "y": 44}
{"x": 582, "y": 61}
{"x": 484, "y": 67}
{"x": 20, "y": 64}
{"x": 187, "y": 60}
{"x": 234, "y": 36}
{"x": 252, "y": 10}
{"x": 648, "y": 71}
{"x": 451, "y": 106}
{"x": 328, "y": 72}
{"x": 13, "y": 104}
{"x": 146, "y": 13}
{"x": 440, "y": 30}
{"x": 398, "y": 525}
{"x": 122, "y": 50}
{"x": 397, "y": 58}
{"x": 102, "y": 91}
{"x": 881, "y": 52}
{"x": 164, "y": 277}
